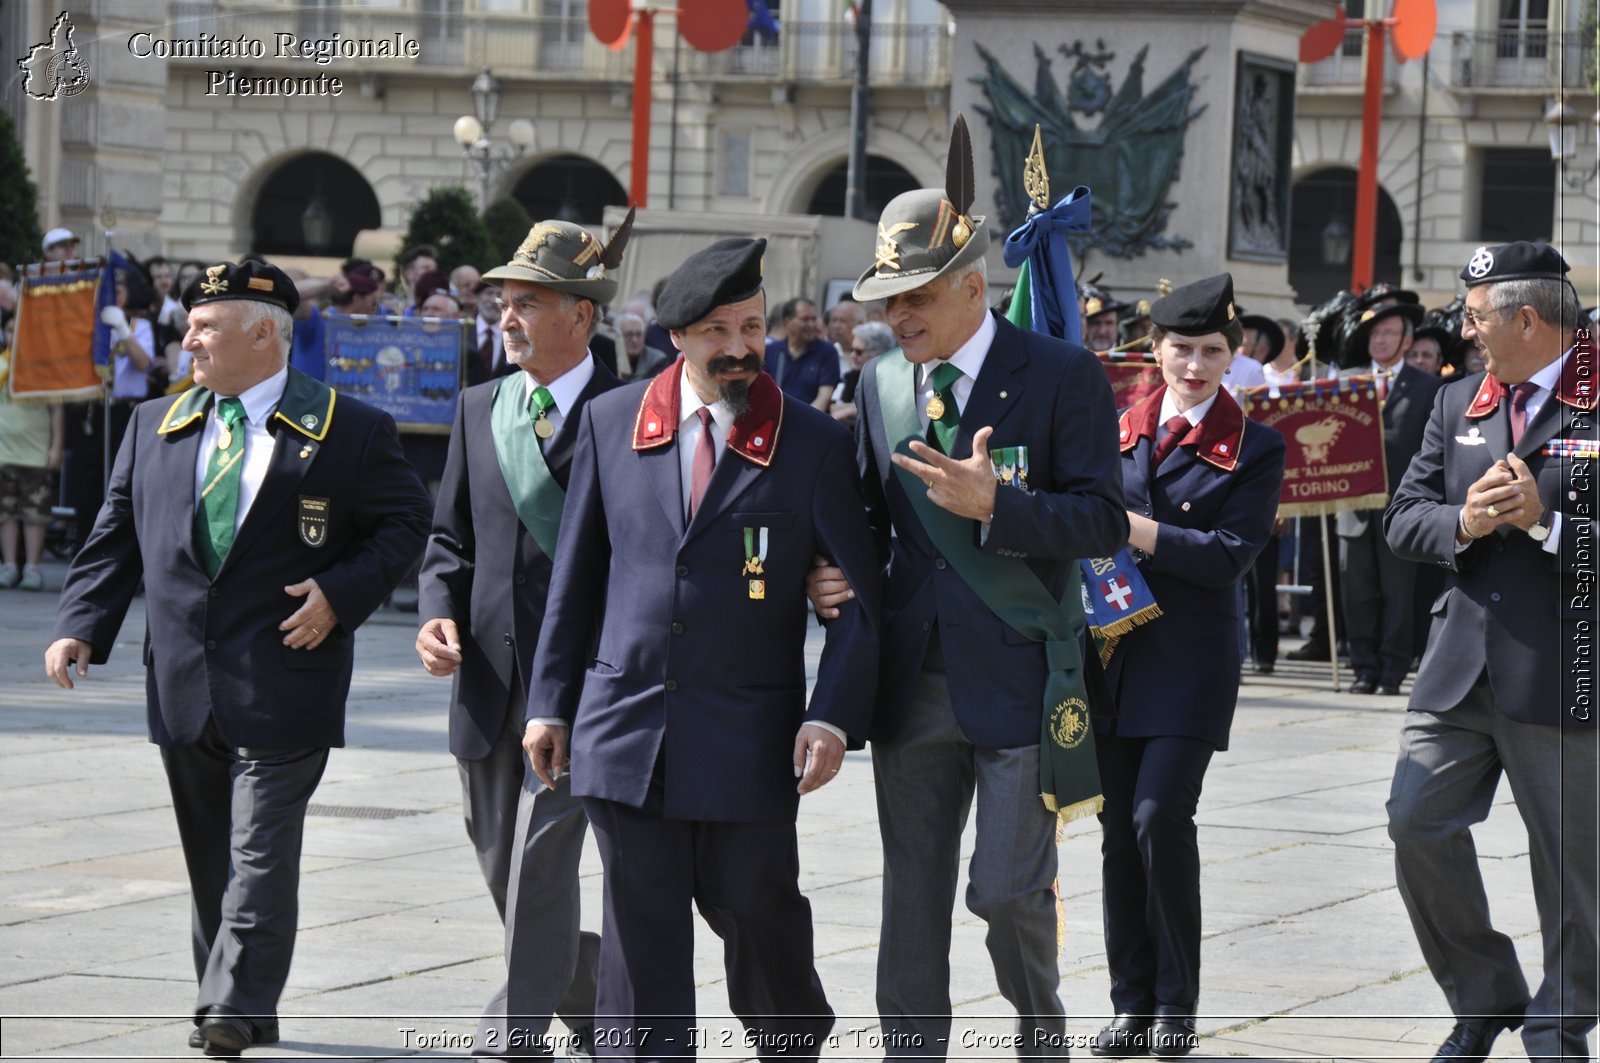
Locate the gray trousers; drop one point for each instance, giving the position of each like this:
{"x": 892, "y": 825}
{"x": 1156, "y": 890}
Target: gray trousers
{"x": 1450, "y": 764}
{"x": 529, "y": 841}
{"x": 926, "y": 780}
{"x": 241, "y": 818}
{"x": 490, "y": 791}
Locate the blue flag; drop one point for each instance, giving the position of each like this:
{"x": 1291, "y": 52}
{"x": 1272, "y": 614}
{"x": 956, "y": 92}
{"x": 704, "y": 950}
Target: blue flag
{"x": 105, "y": 294}
{"x": 1041, "y": 242}
{"x": 762, "y": 20}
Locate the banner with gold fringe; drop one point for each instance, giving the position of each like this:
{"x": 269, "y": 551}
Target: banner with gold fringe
{"x": 52, "y": 344}
{"x": 1334, "y": 430}
{"x": 1116, "y": 599}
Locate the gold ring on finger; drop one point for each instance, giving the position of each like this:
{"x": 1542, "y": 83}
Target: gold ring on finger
{"x": 1491, "y": 511}
{"x": 315, "y": 633}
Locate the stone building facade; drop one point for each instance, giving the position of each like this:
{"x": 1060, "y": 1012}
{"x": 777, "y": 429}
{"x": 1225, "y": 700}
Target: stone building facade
{"x": 182, "y": 166}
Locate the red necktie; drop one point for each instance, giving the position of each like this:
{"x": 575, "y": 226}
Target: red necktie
{"x": 1176, "y": 427}
{"x": 1519, "y": 408}
{"x": 705, "y": 459}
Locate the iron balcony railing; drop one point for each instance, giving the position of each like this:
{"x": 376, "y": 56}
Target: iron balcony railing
{"x": 1522, "y": 59}
{"x": 902, "y": 54}
{"x": 1347, "y": 66}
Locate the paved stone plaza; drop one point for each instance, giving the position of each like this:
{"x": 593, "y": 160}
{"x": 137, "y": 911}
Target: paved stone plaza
{"x": 1307, "y": 955}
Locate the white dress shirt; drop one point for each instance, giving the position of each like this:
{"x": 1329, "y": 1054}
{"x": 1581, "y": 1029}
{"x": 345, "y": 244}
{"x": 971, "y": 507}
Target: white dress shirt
{"x": 689, "y": 429}
{"x": 260, "y": 402}
{"x": 1245, "y": 372}
{"x": 565, "y": 389}
{"x": 1194, "y": 414}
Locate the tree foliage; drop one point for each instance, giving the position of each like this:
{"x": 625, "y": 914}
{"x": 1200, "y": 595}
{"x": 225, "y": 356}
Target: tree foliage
{"x": 448, "y": 219}
{"x": 20, "y": 234}
{"x": 508, "y": 226}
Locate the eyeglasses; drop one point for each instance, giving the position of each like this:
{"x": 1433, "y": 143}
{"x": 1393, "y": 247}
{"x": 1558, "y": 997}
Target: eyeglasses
{"x": 1475, "y": 319}
{"x": 858, "y": 350}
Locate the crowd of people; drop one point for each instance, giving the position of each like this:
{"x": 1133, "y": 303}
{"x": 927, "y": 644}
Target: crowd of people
{"x": 632, "y": 516}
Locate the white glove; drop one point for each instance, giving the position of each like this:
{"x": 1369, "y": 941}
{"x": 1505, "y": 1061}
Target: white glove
{"x": 117, "y": 321}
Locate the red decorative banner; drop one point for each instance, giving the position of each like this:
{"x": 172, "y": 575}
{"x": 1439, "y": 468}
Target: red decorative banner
{"x": 1133, "y": 376}
{"x": 1334, "y": 432}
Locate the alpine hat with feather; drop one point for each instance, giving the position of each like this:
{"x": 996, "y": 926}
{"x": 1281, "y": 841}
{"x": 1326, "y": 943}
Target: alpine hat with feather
{"x": 927, "y": 233}
{"x": 568, "y": 258}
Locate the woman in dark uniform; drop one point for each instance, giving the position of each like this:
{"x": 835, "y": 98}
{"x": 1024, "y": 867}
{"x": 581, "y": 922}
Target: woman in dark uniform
{"x": 1201, "y": 483}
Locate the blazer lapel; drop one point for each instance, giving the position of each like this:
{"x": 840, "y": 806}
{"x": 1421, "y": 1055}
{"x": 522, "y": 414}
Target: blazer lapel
{"x": 180, "y": 456}
{"x": 731, "y": 478}
{"x": 284, "y": 473}
{"x": 997, "y": 389}
{"x": 1538, "y": 431}
{"x": 659, "y": 466}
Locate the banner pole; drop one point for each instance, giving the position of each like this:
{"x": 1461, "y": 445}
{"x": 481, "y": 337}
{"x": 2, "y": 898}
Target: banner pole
{"x": 1327, "y": 586}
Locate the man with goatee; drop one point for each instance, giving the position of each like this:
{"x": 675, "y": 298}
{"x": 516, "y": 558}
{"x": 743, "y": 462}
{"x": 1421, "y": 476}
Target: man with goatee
{"x": 672, "y": 654}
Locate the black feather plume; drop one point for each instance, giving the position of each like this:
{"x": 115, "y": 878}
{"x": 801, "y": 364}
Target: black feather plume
{"x": 959, "y": 185}
{"x": 611, "y": 258}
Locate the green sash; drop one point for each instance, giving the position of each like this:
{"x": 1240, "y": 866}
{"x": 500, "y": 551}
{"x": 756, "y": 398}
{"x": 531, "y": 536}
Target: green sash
{"x": 1069, "y": 776}
{"x": 534, "y": 491}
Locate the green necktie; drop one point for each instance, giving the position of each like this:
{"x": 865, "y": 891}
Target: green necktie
{"x": 219, "y": 496}
{"x": 539, "y": 412}
{"x": 943, "y": 378}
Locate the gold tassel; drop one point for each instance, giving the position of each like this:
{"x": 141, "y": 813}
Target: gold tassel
{"x": 1317, "y": 509}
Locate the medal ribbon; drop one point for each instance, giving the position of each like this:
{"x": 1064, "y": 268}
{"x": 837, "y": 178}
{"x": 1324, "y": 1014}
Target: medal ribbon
{"x": 754, "y": 559}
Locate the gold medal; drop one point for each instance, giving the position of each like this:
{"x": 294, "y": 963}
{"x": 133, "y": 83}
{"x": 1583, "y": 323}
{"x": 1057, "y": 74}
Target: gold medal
{"x": 224, "y": 437}
{"x": 752, "y": 567}
{"x": 935, "y": 408}
{"x": 758, "y": 589}
{"x": 542, "y": 427}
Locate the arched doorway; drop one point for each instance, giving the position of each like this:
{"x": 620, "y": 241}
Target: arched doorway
{"x": 569, "y": 188}
{"x": 1321, "y": 223}
{"x": 312, "y": 204}
{"x": 885, "y": 180}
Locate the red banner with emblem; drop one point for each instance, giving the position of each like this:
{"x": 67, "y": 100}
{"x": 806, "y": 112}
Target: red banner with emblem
{"x": 1133, "y": 375}
{"x": 1334, "y": 433}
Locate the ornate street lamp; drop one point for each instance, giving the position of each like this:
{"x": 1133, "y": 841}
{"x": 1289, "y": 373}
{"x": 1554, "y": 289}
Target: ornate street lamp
{"x": 472, "y": 132}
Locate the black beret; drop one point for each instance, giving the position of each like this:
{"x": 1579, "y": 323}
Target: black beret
{"x": 250, "y": 279}
{"x": 1196, "y": 309}
{"x": 729, "y": 271}
{"x": 1517, "y": 261}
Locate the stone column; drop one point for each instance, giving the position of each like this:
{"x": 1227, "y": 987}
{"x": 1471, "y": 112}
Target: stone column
{"x": 101, "y": 149}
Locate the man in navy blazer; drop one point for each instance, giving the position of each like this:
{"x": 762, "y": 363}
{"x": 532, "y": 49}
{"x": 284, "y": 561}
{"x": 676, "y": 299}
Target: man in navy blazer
{"x": 673, "y": 650}
{"x": 268, "y": 518}
{"x": 960, "y": 690}
{"x": 1502, "y": 497}
{"x": 1379, "y": 587}
{"x": 483, "y": 583}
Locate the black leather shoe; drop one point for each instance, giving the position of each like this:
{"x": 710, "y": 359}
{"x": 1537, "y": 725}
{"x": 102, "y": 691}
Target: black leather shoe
{"x": 1470, "y": 1041}
{"x": 1172, "y": 1036}
{"x": 1123, "y": 1036}
{"x": 1264, "y": 668}
{"x": 224, "y": 1032}
{"x": 1389, "y": 689}
{"x": 1364, "y": 685}
{"x": 1308, "y": 652}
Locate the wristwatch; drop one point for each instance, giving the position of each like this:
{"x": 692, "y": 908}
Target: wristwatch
{"x": 1539, "y": 532}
